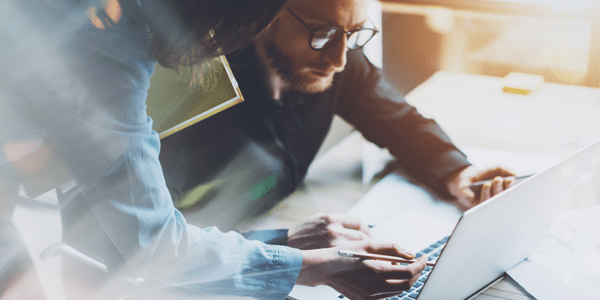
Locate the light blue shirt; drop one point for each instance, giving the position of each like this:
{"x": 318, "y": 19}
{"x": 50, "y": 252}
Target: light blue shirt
{"x": 85, "y": 88}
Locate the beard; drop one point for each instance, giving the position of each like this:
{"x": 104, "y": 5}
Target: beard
{"x": 291, "y": 74}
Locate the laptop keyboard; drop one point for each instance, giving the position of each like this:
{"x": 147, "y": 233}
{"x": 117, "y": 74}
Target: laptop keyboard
{"x": 433, "y": 251}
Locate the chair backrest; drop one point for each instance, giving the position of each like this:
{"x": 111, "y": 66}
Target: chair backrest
{"x": 82, "y": 232}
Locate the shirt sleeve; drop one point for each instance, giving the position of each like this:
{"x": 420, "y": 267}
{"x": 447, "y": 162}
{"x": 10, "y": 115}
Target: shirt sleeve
{"x": 382, "y": 115}
{"x": 87, "y": 88}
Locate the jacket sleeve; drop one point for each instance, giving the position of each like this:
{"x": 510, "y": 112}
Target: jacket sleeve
{"x": 382, "y": 115}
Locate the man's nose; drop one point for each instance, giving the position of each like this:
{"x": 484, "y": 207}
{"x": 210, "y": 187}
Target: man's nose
{"x": 336, "y": 55}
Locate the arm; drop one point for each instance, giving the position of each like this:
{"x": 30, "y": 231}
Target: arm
{"x": 419, "y": 144}
{"x": 380, "y": 112}
{"x": 90, "y": 97}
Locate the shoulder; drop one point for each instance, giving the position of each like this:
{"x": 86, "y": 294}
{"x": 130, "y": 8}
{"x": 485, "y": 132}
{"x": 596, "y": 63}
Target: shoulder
{"x": 358, "y": 71}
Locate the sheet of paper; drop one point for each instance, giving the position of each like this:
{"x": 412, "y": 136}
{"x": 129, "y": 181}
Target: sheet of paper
{"x": 566, "y": 265}
{"x": 406, "y": 213}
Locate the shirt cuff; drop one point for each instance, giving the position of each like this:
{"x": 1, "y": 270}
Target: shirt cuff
{"x": 287, "y": 262}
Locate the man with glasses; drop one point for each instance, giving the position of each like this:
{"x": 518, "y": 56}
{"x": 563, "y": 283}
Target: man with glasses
{"x": 302, "y": 70}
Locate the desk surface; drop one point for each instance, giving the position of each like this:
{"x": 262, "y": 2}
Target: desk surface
{"x": 475, "y": 111}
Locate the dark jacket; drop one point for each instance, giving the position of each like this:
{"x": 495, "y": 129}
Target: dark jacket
{"x": 263, "y": 147}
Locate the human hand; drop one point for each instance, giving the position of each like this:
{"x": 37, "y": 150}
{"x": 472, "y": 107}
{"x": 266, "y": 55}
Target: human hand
{"x": 458, "y": 186}
{"x": 327, "y": 230}
{"x": 360, "y": 278}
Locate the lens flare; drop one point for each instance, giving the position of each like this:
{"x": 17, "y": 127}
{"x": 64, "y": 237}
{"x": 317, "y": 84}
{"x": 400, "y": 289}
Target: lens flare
{"x": 113, "y": 12}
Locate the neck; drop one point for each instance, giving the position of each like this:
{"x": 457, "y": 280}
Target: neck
{"x": 275, "y": 86}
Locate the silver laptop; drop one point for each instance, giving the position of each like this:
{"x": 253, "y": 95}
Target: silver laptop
{"x": 496, "y": 235}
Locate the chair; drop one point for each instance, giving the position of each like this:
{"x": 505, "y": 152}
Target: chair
{"x": 82, "y": 237}
{"x": 68, "y": 251}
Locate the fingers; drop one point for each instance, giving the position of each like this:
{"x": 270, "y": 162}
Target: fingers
{"x": 327, "y": 230}
{"x": 392, "y": 273}
{"x": 350, "y": 222}
{"x": 510, "y": 181}
{"x": 467, "y": 193}
{"x": 492, "y": 173}
{"x": 341, "y": 234}
{"x": 390, "y": 249}
{"x": 486, "y": 192}
{"x": 416, "y": 269}
{"x": 490, "y": 189}
{"x": 497, "y": 186}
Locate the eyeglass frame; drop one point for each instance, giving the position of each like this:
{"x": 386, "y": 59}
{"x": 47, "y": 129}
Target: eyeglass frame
{"x": 314, "y": 30}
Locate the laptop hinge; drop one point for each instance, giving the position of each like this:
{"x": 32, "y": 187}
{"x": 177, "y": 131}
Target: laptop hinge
{"x": 483, "y": 289}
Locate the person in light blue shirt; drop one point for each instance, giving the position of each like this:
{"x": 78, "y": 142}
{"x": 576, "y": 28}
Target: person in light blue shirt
{"x": 73, "y": 83}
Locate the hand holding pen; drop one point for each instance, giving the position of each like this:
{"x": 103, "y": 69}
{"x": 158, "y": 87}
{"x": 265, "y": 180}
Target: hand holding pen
{"x": 494, "y": 181}
{"x": 393, "y": 259}
{"x": 361, "y": 278}
{"x": 477, "y": 186}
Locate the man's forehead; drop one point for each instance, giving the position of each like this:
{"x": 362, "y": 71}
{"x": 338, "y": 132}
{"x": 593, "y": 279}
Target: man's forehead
{"x": 332, "y": 12}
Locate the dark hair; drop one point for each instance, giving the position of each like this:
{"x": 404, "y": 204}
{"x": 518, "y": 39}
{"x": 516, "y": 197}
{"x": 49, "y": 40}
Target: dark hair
{"x": 190, "y": 32}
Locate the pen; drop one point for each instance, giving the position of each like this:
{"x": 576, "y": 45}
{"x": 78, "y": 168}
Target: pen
{"x": 476, "y": 187}
{"x": 380, "y": 257}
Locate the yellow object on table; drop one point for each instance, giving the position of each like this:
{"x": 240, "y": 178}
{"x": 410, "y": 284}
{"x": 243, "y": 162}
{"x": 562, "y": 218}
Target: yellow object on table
{"x": 521, "y": 83}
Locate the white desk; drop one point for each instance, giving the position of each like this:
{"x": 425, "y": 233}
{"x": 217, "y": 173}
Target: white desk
{"x": 474, "y": 111}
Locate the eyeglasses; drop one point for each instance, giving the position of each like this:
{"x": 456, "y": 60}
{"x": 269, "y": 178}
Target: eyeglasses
{"x": 322, "y": 38}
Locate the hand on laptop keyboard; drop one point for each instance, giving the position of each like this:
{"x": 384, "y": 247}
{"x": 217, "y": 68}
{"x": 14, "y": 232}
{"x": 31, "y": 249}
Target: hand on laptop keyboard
{"x": 361, "y": 278}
